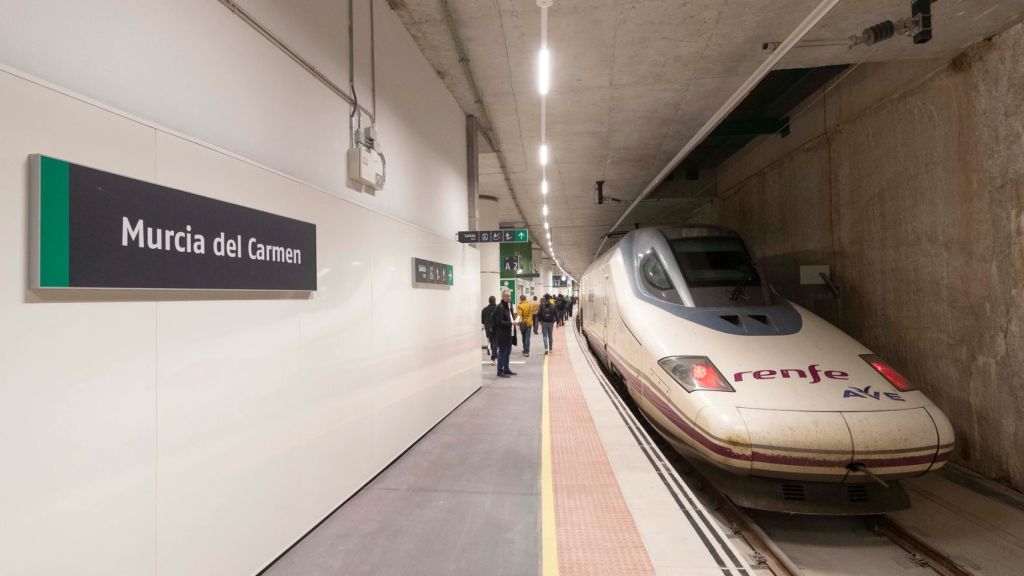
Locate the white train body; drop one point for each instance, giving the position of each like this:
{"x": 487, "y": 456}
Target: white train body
{"x": 805, "y": 405}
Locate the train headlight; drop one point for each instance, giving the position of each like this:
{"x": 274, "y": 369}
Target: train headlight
{"x": 695, "y": 373}
{"x": 889, "y": 373}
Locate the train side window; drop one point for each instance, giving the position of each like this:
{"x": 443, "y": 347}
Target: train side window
{"x": 656, "y": 280}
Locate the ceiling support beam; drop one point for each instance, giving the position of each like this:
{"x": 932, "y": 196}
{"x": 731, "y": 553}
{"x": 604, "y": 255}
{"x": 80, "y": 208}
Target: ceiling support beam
{"x": 752, "y": 127}
{"x": 485, "y": 121}
{"x": 798, "y": 34}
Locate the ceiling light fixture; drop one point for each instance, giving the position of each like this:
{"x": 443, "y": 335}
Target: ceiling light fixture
{"x": 543, "y": 85}
{"x": 544, "y": 71}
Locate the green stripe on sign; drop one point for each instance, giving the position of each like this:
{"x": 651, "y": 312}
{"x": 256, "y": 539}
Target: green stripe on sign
{"x": 54, "y": 223}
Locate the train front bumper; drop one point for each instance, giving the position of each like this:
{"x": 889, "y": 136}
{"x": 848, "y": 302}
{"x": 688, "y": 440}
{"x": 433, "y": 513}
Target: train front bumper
{"x": 821, "y": 446}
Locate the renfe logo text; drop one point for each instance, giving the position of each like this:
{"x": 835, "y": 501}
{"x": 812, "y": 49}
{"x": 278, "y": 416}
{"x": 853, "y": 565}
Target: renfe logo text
{"x": 794, "y": 373}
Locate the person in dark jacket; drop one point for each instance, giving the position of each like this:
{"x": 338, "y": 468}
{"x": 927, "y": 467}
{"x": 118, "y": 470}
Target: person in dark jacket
{"x": 546, "y": 316}
{"x": 536, "y": 309}
{"x": 503, "y": 320}
{"x": 560, "y": 309}
{"x": 570, "y": 301}
{"x": 485, "y": 319}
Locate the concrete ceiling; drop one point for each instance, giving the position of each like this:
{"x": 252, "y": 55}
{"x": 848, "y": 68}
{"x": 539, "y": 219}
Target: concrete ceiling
{"x": 631, "y": 84}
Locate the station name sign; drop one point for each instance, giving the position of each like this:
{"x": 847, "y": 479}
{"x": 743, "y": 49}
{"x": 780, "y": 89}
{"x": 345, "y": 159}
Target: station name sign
{"x": 427, "y": 272}
{"x": 505, "y": 236}
{"x": 94, "y": 229}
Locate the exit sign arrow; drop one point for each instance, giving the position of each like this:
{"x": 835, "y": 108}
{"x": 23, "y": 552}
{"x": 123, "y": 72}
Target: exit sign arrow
{"x": 522, "y": 236}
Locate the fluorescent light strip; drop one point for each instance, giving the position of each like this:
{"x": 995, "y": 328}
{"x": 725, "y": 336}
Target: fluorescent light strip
{"x": 543, "y": 71}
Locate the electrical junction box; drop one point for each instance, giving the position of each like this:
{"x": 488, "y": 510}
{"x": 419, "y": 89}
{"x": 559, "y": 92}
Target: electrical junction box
{"x": 366, "y": 167}
{"x": 812, "y": 274}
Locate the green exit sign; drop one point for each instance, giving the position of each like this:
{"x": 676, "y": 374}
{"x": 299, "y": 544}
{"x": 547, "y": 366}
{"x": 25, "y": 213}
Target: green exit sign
{"x": 510, "y": 285}
{"x": 522, "y": 235}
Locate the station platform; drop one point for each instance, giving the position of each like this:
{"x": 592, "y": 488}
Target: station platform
{"x": 546, "y": 472}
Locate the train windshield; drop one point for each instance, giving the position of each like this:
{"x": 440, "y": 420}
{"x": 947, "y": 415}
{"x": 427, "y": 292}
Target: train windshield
{"x": 710, "y": 261}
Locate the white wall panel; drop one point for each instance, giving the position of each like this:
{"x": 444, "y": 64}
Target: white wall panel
{"x": 77, "y": 381}
{"x": 462, "y": 344}
{"x": 228, "y": 436}
{"x": 194, "y": 67}
{"x": 183, "y": 432}
{"x": 407, "y": 338}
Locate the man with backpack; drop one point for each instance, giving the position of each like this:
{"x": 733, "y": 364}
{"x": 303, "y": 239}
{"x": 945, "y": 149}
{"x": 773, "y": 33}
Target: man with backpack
{"x": 485, "y": 319}
{"x": 546, "y": 316}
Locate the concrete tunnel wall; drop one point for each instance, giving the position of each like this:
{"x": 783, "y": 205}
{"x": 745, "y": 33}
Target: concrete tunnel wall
{"x": 907, "y": 178}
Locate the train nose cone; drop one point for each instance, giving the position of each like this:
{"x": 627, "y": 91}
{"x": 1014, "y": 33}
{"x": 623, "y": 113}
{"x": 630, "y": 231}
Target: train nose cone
{"x": 819, "y": 446}
{"x": 899, "y": 444}
{"x": 722, "y": 436}
{"x": 809, "y": 446}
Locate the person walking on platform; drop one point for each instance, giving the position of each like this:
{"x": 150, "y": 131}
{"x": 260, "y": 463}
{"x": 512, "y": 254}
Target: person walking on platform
{"x": 560, "y": 309}
{"x": 546, "y": 315}
{"x": 525, "y": 312}
{"x": 570, "y": 301}
{"x": 535, "y": 305}
{"x": 485, "y": 319}
{"x": 504, "y": 320}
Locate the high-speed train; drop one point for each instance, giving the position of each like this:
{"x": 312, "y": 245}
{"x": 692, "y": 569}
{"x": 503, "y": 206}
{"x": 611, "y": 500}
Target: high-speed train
{"x": 778, "y": 408}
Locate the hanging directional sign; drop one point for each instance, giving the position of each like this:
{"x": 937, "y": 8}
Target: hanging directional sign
{"x": 472, "y": 237}
{"x": 504, "y": 236}
{"x": 510, "y": 263}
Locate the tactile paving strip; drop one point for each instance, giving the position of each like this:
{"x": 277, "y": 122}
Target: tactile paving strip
{"x": 595, "y": 530}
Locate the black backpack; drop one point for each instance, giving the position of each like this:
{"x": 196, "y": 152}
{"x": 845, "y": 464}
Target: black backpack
{"x": 491, "y": 321}
{"x": 546, "y": 312}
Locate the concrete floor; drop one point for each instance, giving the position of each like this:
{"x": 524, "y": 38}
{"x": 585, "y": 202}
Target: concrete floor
{"x": 465, "y": 499}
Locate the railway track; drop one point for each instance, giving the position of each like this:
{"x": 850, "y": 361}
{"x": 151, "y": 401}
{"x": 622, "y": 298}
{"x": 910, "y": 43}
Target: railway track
{"x": 764, "y": 550}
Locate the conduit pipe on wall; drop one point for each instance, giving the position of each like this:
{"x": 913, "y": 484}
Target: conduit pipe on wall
{"x": 352, "y": 79}
{"x": 373, "y": 70}
{"x": 266, "y": 33}
{"x": 806, "y": 26}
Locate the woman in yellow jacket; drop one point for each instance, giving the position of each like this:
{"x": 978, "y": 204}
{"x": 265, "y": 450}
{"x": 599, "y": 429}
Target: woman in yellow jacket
{"x": 526, "y": 311}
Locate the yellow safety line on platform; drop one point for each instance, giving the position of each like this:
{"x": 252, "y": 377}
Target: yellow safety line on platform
{"x": 549, "y": 544}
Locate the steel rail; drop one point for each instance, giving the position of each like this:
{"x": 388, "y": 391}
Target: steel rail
{"x": 911, "y": 543}
{"x": 778, "y": 561}
{"x": 802, "y": 30}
